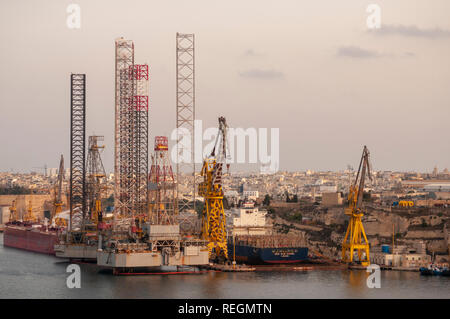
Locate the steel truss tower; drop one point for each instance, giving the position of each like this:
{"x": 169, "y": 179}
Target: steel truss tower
{"x": 123, "y": 146}
{"x": 185, "y": 110}
{"x": 77, "y": 146}
{"x": 131, "y": 134}
{"x": 162, "y": 204}
{"x": 140, "y": 111}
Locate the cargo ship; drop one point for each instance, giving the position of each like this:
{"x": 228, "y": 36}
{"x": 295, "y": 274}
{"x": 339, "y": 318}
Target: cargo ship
{"x": 251, "y": 240}
{"x": 30, "y": 236}
{"x": 267, "y": 249}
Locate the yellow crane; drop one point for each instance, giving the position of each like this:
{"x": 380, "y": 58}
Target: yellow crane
{"x": 355, "y": 237}
{"x": 29, "y": 217}
{"x": 213, "y": 217}
{"x": 13, "y": 212}
{"x": 58, "y": 202}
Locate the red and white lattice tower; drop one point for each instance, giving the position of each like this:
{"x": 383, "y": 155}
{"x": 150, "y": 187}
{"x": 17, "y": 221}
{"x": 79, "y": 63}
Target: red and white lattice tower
{"x": 131, "y": 136}
{"x": 162, "y": 199}
{"x": 124, "y": 181}
{"x": 140, "y": 108}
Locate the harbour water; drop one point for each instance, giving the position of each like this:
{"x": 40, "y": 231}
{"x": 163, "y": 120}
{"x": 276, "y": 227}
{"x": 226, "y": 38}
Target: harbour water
{"x": 30, "y": 275}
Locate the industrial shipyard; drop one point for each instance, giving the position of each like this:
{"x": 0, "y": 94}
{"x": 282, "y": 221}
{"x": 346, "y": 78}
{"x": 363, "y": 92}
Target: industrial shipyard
{"x": 156, "y": 182}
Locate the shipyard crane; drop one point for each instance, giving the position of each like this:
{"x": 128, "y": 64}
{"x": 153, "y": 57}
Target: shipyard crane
{"x": 13, "y": 212}
{"x": 355, "y": 237}
{"x": 213, "y": 217}
{"x": 58, "y": 202}
{"x": 29, "y": 217}
{"x": 58, "y": 187}
{"x": 95, "y": 179}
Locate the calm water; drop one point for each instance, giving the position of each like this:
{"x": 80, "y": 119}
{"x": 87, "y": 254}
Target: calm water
{"x": 29, "y": 275}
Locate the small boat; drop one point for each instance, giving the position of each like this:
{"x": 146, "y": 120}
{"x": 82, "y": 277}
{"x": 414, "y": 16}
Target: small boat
{"x": 434, "y": 270}
{"x": 424, "y": 271}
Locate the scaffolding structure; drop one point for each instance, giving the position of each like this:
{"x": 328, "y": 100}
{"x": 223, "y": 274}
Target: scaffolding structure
{"x": 95, "y": 179}
{"x": 185, "y": 116}
{"x": 162, "y": 203}
{"x": 77, "y": 149}
{"x": 131, "y": 135}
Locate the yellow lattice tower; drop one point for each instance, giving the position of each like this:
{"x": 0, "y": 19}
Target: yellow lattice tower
{"x": 355, "y": 237}
{"x": 29, "y": 217}
{"x": 355, "y": 234}
{"x": 213, "y": 218}
{"x": 13, "y": 212}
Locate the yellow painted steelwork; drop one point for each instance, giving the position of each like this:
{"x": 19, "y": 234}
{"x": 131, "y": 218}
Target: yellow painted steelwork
{"x": 13, "y": 212}
{"x": 213, "y": 217}
{"x": 29, "y": 217}
{"x": 58, "y": 189}
{"x": 355, "y": 237}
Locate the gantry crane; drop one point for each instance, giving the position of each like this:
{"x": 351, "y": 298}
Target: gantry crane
{"x": 355, "y": 237}
{"x": 213, "y": 217}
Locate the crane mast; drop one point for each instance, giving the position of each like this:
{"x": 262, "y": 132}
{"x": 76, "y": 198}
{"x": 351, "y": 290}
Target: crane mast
{"x": 13, "y": 212}
{"x": 355, "y": 237}
{"x": 58, "y": 202}
{"x": 213, "y": 217}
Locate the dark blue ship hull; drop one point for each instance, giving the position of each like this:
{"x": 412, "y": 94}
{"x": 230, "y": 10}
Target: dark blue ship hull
{"x": 280, "y": 255}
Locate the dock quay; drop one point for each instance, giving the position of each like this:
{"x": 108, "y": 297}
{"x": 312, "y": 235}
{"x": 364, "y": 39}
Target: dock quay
{"x": 230, "y": 268}
{"x": 275, "y": 267}
{"x": 385, "y": 267}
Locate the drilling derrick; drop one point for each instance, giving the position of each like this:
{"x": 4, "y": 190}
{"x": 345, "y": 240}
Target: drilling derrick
{"x": 162, "y": 204}
{"x": 355, "y": 237}
{"x": 185, "y": 116}
{"x": 96, "y": 184}
{"x": 124, "y": 178}
{"x": 140, "y": 110}
{"x": 213, "y": 218}
{"x": 77, "y": 152}
{"x": 131, "y": 137}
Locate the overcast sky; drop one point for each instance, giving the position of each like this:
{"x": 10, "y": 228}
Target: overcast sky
{"x": 310, "y": 68}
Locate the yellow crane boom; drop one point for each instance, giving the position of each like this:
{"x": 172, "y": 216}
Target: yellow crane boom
{"x": 355, "y": 237}
{"x": 213, "y": 217}
{"x": 58, "y": 203}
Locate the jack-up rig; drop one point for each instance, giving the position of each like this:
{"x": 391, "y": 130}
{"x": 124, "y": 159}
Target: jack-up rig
{"x": 355, "y": 237}
{"x": 144, "y": 231}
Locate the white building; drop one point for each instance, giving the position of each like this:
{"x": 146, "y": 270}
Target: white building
{"x": 248, "y": 220}
{"x": 250, "y": 194}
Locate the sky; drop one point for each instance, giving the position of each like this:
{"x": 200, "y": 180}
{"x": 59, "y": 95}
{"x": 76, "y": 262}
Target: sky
{"x": 313, "y": 69}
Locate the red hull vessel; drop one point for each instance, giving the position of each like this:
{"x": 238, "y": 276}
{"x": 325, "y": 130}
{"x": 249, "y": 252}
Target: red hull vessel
{"x": 35, "y": 239}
